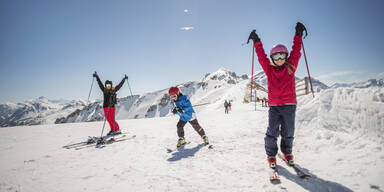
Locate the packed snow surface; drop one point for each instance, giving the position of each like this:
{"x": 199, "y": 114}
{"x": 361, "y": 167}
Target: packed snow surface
{"x": 337, "y": 140}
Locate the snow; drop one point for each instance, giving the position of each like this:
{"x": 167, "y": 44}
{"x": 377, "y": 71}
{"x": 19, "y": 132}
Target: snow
{"x": 338, "y": 139}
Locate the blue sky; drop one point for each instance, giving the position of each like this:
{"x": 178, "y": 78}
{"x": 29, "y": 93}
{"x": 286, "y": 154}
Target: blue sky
{"x": 51, "y": 48}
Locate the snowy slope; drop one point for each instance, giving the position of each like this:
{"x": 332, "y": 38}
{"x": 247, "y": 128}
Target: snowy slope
{"x": 338, "y": 140}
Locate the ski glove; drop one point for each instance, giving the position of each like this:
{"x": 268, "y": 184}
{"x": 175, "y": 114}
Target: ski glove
{"x": 300, "y": 28}
{"x": 125, "y": 77}
{"x": 95, "y": 74}
{"x": 177, "y": 109}
{"x": 254, "y": 37}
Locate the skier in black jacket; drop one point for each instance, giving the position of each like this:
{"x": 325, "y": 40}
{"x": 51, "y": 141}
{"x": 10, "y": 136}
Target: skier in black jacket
{"x": 110, "y": 99}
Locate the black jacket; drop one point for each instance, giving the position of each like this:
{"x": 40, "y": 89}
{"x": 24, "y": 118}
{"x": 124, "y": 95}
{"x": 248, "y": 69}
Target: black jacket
{"x": 110, "y": 97}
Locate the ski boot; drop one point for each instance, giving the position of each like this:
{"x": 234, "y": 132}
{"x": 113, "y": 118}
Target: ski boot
{"x": 205, "y": 139}
{"x": 289, "y": 159}
{"x": 110, "y": 133}
{"x": 272, "y": 162}
{"x": 118, "y": 132}
{"x": 181, "y": 142}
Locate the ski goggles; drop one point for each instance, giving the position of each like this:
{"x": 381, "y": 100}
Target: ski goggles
{"x": 280, "y": 55}
{"x": 174, "y": 96}
{"x": 108, "y": 85}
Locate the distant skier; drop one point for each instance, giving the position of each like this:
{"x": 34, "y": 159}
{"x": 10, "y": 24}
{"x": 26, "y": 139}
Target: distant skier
{"x": 187, "y": 114}
{"x": 281, "y": 93}
{"x": 229, "y": 105}
{"x": 226, "y": 105}
{"x": 110, "y": 99}
{"x": 264, "y": 102}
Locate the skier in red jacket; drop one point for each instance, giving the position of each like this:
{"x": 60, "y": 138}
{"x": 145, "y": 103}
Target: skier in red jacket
{"x": 280, "y": 74}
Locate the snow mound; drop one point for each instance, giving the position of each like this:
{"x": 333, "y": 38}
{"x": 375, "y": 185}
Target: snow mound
{"x": 358, "y": 112}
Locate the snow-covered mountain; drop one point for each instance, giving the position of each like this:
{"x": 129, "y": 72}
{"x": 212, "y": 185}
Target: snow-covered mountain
{"x": 211, "y": 88}
{"x": 378, "y": 82}
{"x": 37, "y": 111}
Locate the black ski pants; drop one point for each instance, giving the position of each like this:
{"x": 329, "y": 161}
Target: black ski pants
{"x": 281, "y": 122}
{"x": 195, "y": 124}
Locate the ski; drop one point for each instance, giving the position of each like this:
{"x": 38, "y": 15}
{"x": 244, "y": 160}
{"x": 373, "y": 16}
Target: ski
{"x": 91, "y": 140}
{"x": 208, "y": 145}
{"x": 103, "y": 143}
{"x": 300, "y": 173}
{"x": 274, "y": 176}
{"x": 169, "y": 150}
{"x": 69, "y": 146}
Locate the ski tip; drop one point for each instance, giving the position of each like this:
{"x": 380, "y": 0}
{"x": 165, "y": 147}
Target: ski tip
{"x": 275, "y": 181}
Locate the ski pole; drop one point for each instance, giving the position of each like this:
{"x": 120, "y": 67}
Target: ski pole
{"x": 129, "y": 89}
{"x": 253, "y": 59}
{"x": 105, "y": 119}
{"x": 93, "y": 79}
{"x": 201, "y": 104}
{"x": 310, "y": 80}
{"x": 255, "y": 100}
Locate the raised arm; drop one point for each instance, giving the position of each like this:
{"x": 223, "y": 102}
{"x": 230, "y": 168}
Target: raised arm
{"x": 99, "y": 81}
{"x": 297, "y": 44}
{"x": 295, "y": 53}
{"x": 121, "y": 83}
{"x": 262, "y": 57}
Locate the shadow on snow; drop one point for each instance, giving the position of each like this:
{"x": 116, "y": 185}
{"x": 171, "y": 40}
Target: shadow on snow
{"x": 313, "y": 184}
{"x": 185, "y": 153}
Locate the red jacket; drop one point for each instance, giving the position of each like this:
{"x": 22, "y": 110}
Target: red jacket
{"x": 281, "y": 80}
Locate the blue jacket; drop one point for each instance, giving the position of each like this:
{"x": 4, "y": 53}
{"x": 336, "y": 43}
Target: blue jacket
{"x": 184, "y": 103}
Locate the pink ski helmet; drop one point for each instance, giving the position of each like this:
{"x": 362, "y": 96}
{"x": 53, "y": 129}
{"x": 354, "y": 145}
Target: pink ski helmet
{"x": 278, "y": 48}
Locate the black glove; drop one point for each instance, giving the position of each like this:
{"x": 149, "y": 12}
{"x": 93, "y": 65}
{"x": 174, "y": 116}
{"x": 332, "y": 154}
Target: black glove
{"x": 254, "y": 37}
{"x": 300, "y": 28}
{"x": 177, "y": 109}
{"x": 174, "y": 110}
{"x": 125, "y": 77}
{"x": 95, "y": 74}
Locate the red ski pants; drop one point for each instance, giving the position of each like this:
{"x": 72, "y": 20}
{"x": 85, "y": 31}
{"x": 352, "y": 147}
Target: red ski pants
{"x": 109, "y": 113}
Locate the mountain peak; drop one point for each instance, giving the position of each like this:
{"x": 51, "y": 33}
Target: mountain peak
{"x": 221, "y": 74}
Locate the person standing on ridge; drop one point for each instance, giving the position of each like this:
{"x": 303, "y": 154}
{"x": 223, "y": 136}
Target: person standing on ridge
{"x": 187, "y": 114}
{"x": 226, "y": 105}
{"x": 110, "y": 99}
{"x": 281, "y": 93}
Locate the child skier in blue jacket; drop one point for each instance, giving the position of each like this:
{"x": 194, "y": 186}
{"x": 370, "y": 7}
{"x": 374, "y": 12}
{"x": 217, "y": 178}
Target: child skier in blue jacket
{"x": 187, "y": 114}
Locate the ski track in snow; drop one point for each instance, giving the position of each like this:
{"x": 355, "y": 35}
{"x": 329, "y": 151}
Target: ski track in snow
{"x": 32, "y": 158}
